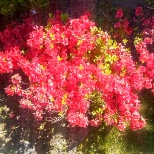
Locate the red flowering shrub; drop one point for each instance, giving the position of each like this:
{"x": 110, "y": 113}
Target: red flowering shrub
{"x": 75, "y": 69}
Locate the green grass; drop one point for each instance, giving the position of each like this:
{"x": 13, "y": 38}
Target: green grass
{"x": 112, "y": 141}
{"x": 109, "y": 140}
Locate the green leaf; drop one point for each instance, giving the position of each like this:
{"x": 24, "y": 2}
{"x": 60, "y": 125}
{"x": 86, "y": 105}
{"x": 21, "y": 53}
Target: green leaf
{"x": 64, "y": 17}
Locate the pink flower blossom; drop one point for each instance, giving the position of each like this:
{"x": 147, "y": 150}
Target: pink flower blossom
{"x": 6, "y": 33}
{"x": 12, "y": 115}
{"x": 117, "y": 25}
{"x": 129, "y": 30}
{"x": 125, "y": 23}
{"x": 119, "y": 13}
{"x": 138, "y": 11}
{"x": 16, "y": 79}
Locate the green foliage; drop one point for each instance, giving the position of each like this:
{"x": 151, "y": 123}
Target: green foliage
{"x": 17, "y": 10}
{"x": 137, "y": 40}
{"x": 104, "y": 140}
{"x": 150, "y": 2}
{"x": 107, "y": 140}
{"x": 97, "y": 104}
{"x": 64, "y": 17}
{"x": 39, "y": 3}
{"x": 8, "y": 7}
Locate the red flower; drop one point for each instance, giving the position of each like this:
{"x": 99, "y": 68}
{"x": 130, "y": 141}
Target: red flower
{"x": 125, "y": 23}
{"x": 6, "y": 33}
{"x": 137, "y": 123}
{"x": 10, "y": 90}
{"x": 16, "y": 79}
{"x": 117, "y": 25}
{"x": 77, "y": 119}
{"x": 138, "y": 11}
{"x": 66, "y": 63}
{"x": 11, "y": 115}
{"x": 17, "y": 29}
{"x": 119, "y": 13}
{"x": 95, "y": 122}
{"x": 129, "y": 30}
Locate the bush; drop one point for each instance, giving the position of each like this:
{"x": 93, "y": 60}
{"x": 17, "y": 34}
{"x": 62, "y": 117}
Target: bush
{"x": 77, "y": 70}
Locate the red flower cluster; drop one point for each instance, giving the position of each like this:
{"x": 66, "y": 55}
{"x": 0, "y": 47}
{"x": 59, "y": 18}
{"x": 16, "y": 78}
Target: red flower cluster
{"x": 65, "y": 64}
{"x": 122, "y": 25}
{"x": 125, "y": 27}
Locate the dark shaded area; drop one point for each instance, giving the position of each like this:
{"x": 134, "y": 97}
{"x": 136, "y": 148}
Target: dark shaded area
{"x": 28, "y": 135}
{"x": 64, "y": 6}
{"x": 127, "y": 4}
